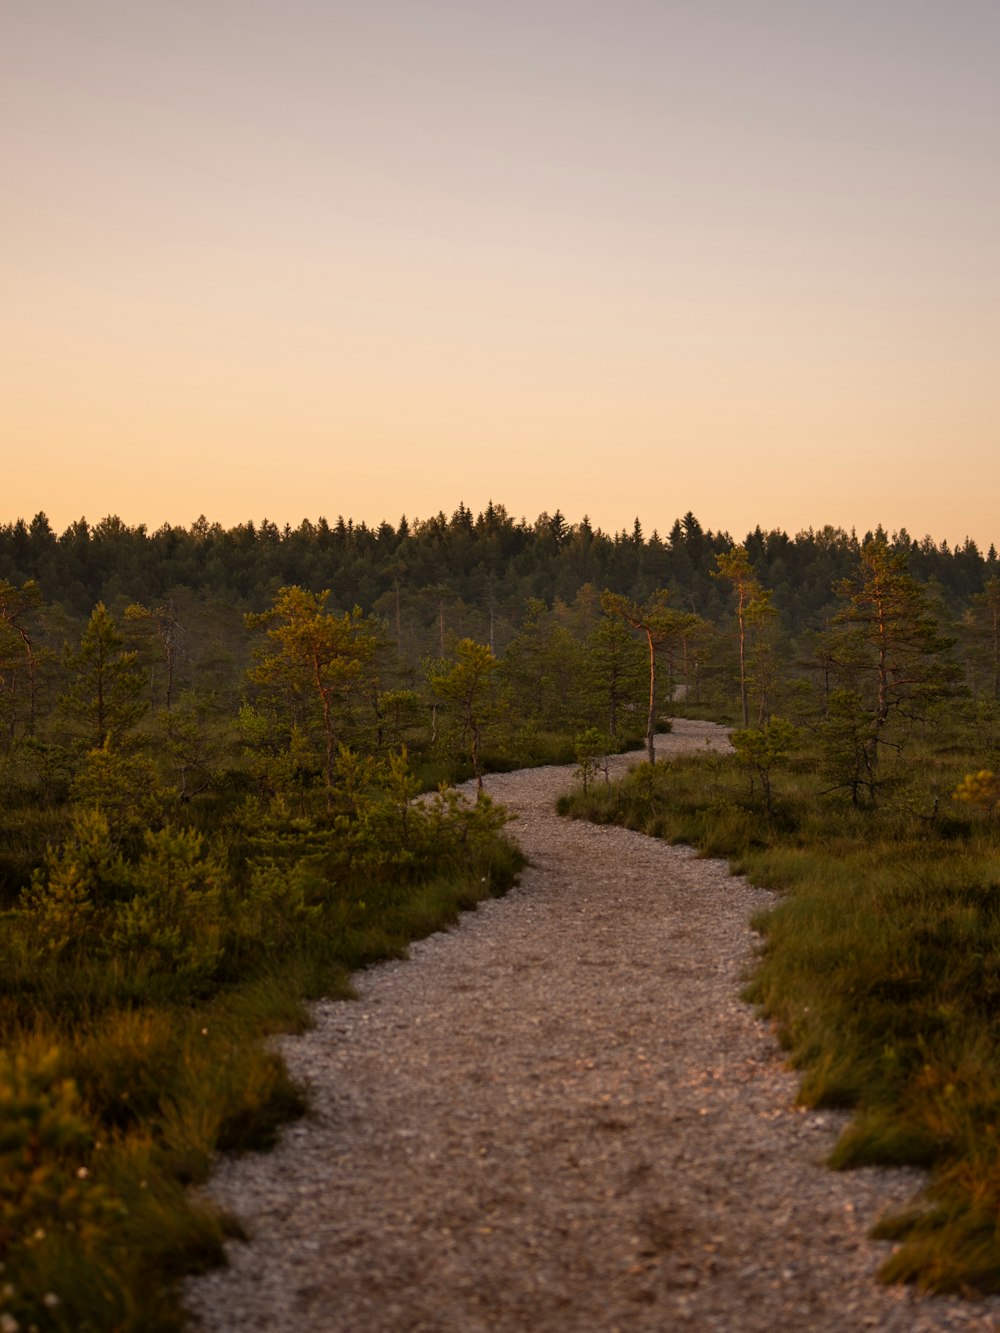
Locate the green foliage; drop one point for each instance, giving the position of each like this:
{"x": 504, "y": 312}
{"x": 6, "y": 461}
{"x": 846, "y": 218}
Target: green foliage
{"x": 159, "y": 624}
{"x": 276, "y": 906}
{"x": 615, "y": 672}
{"x": 104, "y": 699}
{"x": 762, "y": 749}
{"x": 49, "y": 1201}
{"x": 172, "y": 920}
{"x": 754, "y": 617}
{"x": 154, "y": 963}
{"x": 62, "y": 907}
{"x": 123, "y": 786}
{"x": 193, "y": 743}
{"x": 591, "y": 749}
{"x": 893, "y": 653}
{"x": 399, "y": 715}
{"x": 845, "y": 744}
{"x": 466, "y": 570}
{"x": 543, "y": 669}
{"x": 466, "y": 682}
{"x": 311, "y": 662}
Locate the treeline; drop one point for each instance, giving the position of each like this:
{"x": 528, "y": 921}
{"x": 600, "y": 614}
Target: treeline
{"x": 176, "y": 676}
{"x": 191, "y": 681}
{"x": 467, "y": 574}
{"x": 530, "y": 592}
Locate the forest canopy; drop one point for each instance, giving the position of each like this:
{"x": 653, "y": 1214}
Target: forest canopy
{"x": 471, "y": 574}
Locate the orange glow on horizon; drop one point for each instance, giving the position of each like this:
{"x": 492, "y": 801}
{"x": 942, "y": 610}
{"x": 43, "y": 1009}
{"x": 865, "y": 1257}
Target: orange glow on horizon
{"x": 373, "y": 261}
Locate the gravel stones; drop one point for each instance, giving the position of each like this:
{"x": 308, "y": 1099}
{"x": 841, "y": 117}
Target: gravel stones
{"x": 560, "y": 1117}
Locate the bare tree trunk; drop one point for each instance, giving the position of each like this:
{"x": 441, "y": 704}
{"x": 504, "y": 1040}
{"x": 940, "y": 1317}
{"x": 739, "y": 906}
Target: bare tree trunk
{"x": 744, "y": 701}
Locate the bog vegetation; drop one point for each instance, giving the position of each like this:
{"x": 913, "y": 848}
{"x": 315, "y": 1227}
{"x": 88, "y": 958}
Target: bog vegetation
{"x": 211, "y": 747}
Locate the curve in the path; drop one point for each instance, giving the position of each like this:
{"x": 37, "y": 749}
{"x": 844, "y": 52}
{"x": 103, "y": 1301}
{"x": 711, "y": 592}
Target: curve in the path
{"x": 559, "y": 1117}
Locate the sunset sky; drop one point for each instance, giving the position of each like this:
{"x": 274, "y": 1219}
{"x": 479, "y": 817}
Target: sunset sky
{"x": 740, "y": 257}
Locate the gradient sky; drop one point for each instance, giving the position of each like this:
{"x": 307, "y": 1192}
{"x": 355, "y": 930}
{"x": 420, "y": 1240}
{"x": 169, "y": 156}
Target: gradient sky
{"x": 735, "y": 256}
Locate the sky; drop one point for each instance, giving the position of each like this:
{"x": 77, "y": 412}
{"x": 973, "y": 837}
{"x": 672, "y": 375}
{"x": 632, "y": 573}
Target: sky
{"x": 285, "y": 260}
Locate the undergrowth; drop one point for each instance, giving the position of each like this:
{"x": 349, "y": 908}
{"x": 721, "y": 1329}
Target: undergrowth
{"x": 137, "y": 976}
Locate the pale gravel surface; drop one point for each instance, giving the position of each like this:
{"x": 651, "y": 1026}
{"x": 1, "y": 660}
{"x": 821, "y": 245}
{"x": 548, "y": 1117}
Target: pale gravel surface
{"x": 560, "y": 1117}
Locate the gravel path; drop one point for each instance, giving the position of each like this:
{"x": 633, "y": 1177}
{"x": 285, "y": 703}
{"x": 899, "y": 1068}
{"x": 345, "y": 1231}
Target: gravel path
{"x": 559, "y": 1117}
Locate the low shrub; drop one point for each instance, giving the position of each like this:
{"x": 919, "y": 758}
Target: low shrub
{"x": 137, "y": 975}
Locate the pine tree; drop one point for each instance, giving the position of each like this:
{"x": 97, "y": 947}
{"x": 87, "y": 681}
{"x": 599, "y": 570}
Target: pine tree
{"x": 466, "y": 680}
{"x": 893, "y": 649}
{"x": 311, "y": 660}
{"x": 735, "y": 568}
{"x": 665, "y": 631}
{"x": 105, "y": 695}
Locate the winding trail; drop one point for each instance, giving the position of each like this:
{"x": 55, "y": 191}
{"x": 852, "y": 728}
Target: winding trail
{"x": 559, "y": 1117}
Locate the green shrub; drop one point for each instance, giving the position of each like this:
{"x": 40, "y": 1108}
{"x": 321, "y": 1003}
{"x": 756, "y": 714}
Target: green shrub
{"x": 154, "y": 963}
